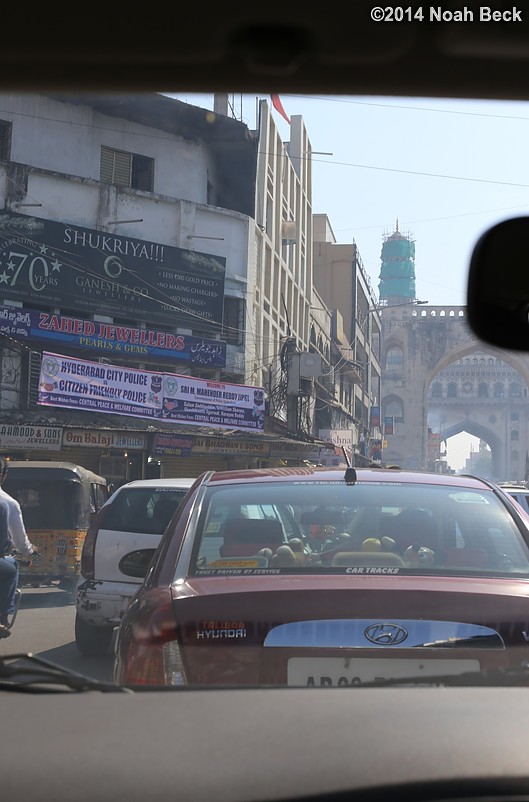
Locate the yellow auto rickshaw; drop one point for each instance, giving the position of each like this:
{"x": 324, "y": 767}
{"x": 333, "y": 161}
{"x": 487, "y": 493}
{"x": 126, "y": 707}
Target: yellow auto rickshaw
{"x": 58, "y": 501}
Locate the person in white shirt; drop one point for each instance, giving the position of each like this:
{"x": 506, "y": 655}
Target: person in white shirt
{"x": 12, "y": 536}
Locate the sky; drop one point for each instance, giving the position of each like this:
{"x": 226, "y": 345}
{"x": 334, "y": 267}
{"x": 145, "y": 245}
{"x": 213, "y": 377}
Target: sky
{"x": 445, "y": 169}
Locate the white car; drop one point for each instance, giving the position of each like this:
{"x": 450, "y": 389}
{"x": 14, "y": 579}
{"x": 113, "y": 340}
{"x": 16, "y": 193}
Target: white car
{"x": 519, "y": 492}
{"x": 118, "y": 546}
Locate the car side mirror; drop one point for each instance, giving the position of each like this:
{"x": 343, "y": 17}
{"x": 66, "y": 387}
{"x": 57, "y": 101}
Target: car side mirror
{"x": 498, "y": 286}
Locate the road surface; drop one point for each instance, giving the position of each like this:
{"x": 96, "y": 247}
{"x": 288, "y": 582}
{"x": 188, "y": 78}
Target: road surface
{"x": 45, "y": 627}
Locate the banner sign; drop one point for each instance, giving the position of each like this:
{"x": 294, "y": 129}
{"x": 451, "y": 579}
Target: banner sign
{"x": 109, "y": 338}
{"x": 215, "y": 404}
{"x": 47, "y": 438}
{"x": 97, "y": 387}
{"x": 375, "y": 417}
{"x": 58, "y": 265}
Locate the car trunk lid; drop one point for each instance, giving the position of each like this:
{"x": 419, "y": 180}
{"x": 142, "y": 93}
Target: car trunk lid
{"x": 350, "y": 630}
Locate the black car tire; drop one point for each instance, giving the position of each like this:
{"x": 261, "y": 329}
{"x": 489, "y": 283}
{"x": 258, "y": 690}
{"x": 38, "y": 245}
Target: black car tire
{"x": 92, "y": 641}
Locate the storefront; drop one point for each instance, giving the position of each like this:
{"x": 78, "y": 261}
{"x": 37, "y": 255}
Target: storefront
{"x": 125, "y": 454}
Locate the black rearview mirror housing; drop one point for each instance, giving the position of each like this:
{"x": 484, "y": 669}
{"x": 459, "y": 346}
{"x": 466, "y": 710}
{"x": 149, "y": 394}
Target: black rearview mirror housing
{"x": 498, "y": 286}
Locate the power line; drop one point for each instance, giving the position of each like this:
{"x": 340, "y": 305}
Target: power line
{"x": 351, "y": 101}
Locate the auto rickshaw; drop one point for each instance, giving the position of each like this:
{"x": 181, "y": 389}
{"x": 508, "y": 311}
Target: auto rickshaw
{"x": 58, "y": 501}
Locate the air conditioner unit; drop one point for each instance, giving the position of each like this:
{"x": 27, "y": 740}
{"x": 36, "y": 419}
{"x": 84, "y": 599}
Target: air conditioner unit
{"x": 310, "y": 365}
{"x": 289, "y": 232}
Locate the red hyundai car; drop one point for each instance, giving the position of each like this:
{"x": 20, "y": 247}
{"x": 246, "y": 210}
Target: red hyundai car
{"x": 324, "y": 578}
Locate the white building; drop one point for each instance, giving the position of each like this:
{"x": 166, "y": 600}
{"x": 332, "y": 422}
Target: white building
{"x": 95, "y": 194}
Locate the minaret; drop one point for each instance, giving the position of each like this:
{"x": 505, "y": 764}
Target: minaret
{"x": 397, "y": 272}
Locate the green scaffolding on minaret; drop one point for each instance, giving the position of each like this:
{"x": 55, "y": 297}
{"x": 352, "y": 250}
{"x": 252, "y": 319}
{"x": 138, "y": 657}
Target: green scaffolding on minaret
{"x": 397, "y": 272}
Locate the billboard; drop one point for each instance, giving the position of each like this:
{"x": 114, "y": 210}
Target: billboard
{"x": 59, "y": 265}
{"x": 96, "y": 387}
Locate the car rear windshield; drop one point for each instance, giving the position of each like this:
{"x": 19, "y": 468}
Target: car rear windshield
{"x": 50, "y": 503}
{"x": 327, "y": 527}
{"x": 145, "y": 510}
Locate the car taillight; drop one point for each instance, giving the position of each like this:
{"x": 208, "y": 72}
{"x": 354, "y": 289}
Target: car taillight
{"x": 89, "y": 545}
{"x": 154, "y": 655}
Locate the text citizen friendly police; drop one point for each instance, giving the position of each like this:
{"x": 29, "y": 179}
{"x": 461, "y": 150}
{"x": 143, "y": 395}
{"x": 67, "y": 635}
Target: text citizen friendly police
{"x": 440, "y": 14}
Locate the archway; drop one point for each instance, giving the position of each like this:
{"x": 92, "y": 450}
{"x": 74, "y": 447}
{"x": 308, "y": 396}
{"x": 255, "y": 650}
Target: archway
{"x": 482, "y": 433}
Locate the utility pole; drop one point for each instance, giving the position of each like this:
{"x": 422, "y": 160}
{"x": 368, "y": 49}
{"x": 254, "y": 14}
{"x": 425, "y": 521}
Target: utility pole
{"x": 291, "y": 356}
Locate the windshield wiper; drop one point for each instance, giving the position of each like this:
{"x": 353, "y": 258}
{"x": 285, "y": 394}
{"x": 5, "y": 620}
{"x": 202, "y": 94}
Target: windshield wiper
{"x": 513, "y": 675}
{"x": 40, "y": 674}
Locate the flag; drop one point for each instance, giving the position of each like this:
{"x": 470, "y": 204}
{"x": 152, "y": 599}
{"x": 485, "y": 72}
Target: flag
{"x": 278, "y": 106}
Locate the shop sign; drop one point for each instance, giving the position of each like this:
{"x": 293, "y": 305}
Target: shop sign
{"x": 110, "y": 338}
{"x": 172, "y": 445}
{"x": 225, "y": 446}
{"x": 46, "y": 438}
{"x": 90, "y": 438}
{"x": 306, "y": 451}
{"x": 345, "y": 438}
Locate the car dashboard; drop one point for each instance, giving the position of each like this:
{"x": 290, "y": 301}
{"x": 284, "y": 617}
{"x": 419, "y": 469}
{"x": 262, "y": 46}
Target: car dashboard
{"x": 236, "y": 745}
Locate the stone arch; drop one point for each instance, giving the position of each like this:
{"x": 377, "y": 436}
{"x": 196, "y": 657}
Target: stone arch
{"x": 430, "y": 345}
{"x": 437, "y": 389}
{"x": 393, "y": 357}
{"x": 483, "y": 433}
{"x": 466, "y": 349}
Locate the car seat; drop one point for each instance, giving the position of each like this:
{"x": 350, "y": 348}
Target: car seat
{"x": 247, "y": 536}
{"x": 162, "y": 513}
{"x": 410, "y": 526}
{"x": 466, "y": 558}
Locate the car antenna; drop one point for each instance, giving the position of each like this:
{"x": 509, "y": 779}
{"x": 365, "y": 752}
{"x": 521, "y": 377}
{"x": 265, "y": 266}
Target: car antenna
{"x": 350, "y": 473}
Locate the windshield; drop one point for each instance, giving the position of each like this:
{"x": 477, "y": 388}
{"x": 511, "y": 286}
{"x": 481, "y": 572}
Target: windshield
{"x": 195, "y": 285}
{"x": 143, "y": 509}
{"x": 370, "y": 528}
{"x": 51, "y": 503}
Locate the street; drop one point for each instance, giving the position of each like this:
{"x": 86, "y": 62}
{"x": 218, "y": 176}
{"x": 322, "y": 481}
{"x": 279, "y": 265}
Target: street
{"x": 45, "y": 627}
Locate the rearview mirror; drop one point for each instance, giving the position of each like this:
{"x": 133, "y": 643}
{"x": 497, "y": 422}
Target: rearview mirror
{"x": 498, "y": 286}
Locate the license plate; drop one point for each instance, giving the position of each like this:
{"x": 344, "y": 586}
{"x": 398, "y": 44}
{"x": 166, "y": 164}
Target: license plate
{"x": 328, "y": 672}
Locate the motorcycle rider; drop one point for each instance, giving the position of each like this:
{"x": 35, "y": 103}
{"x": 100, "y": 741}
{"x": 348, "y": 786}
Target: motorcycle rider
{"x": 12, "y": 536}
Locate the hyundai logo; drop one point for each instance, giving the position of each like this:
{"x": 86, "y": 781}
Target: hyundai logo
{"x": 386, "y": 634}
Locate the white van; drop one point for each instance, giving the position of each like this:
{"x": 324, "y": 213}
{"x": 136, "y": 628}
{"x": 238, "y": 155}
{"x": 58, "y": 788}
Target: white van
{"x": 118, "y": 546}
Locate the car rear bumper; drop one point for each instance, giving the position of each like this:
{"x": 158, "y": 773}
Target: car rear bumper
{"x": 102, "y": 603}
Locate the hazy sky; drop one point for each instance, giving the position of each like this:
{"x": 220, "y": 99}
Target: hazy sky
{"x": 447, "y": 170}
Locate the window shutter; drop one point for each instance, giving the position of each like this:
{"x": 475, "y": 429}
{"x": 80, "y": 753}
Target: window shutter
{"x": 122, "y": 168}
{"x": 116, "y": 166}
{"x": 106, "y": 167}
